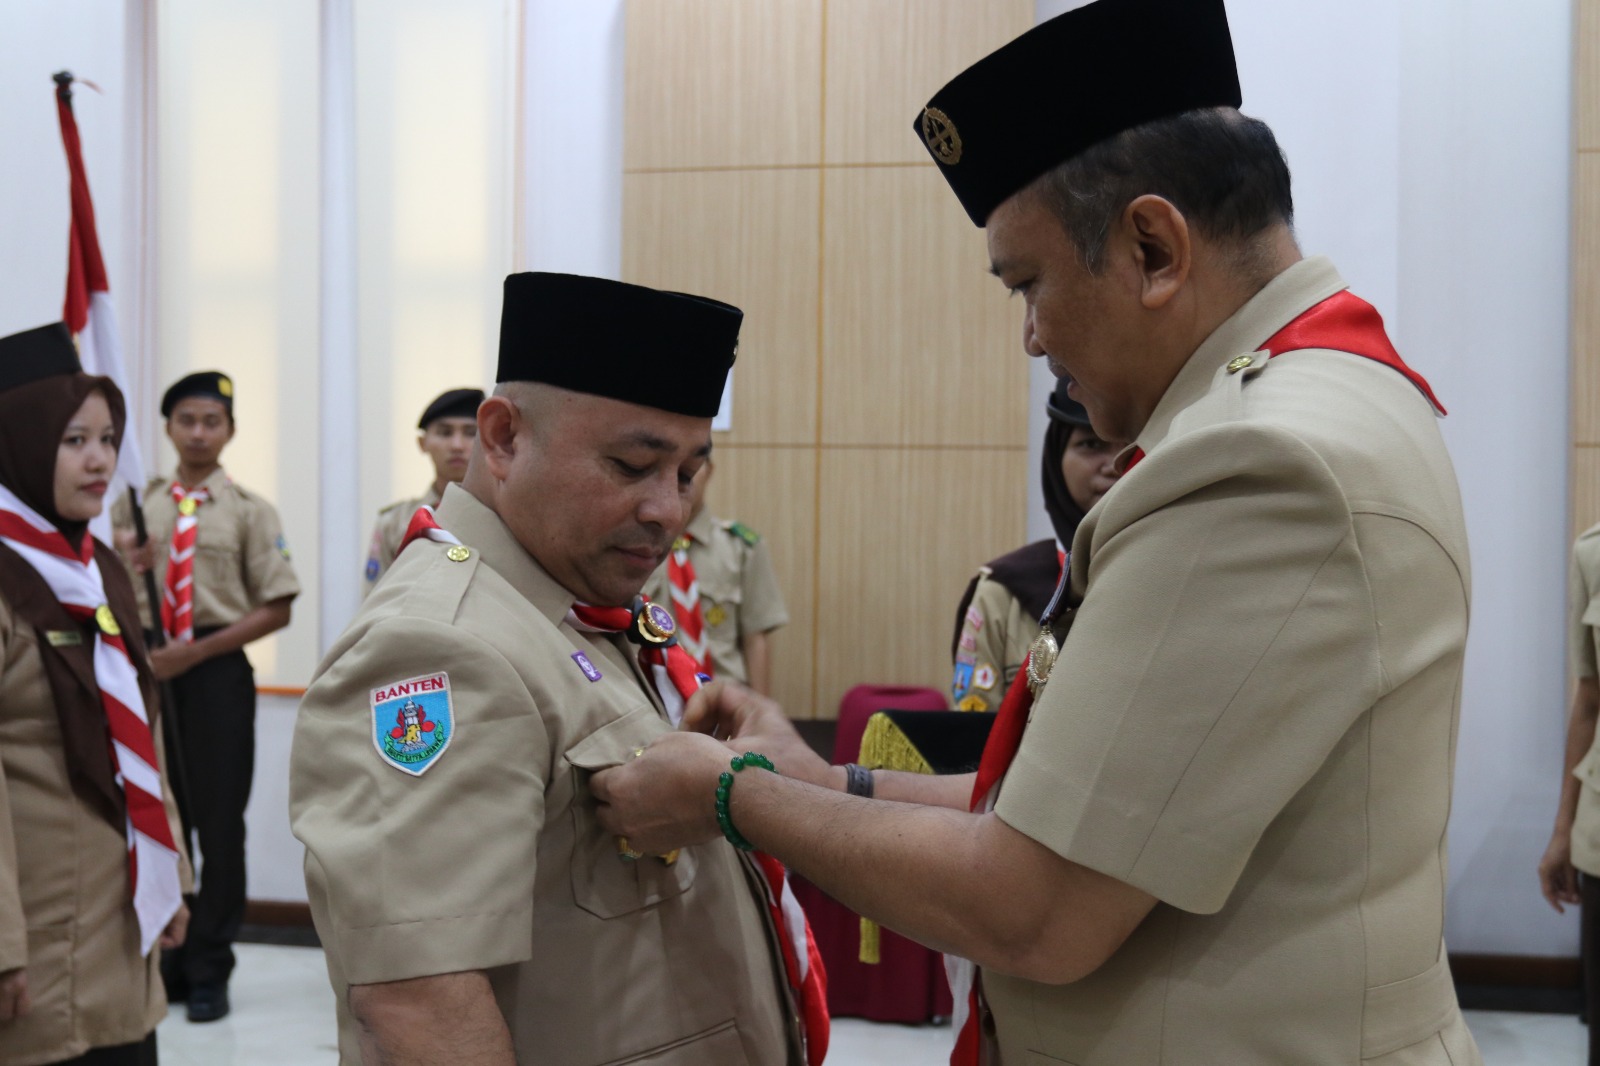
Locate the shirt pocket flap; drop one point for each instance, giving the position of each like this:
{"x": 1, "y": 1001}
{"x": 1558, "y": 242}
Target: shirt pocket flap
{"x": 603, "y": 882}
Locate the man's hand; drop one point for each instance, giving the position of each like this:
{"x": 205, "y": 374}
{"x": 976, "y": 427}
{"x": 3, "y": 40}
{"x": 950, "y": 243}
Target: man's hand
{"x": 14, "y": 1001}
{"x": 171, "y": 660}
{"x": 1558, "y": 878}
{"x": 178, "y": 928}
{"x": 665, "y": 798}
{"x": 749, "y": 721}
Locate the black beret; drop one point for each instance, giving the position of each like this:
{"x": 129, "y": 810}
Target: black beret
{"x": 1063, "y": 408}
{"x": 608, "y": 338}
{"x": 37, "y": 353}
{"x": 456, "y": 403}
{"x": 1070, "y": 82}
{"x": 211, "y": 384}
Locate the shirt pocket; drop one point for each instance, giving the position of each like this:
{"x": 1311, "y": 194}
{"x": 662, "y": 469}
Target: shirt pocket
{"x": 719, "y": 1044}
{"x": 720, "y": 596}
{"x": 603, "y": 883}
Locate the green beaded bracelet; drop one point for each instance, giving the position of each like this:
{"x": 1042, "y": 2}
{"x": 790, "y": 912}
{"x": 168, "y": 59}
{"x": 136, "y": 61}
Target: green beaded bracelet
{"x": 725, "y": 792}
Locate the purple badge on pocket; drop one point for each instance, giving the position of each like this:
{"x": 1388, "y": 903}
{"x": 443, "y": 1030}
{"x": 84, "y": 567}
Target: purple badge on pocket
{"x": 586, "y": 666}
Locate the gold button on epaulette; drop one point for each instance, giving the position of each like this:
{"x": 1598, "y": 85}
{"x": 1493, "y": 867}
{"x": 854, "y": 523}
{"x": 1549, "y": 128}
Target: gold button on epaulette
{"x": 458, "y": 553}
{"x": 1243, "y": 362}
{"x": 107, "y": 621}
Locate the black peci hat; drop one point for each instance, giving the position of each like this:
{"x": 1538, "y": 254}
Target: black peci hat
{"x": 208, "y": 384}
{"x": 1063, "y": 408}
{"x": 1070, "y": 82}
{"x": 455, "y": 403}
{"x": 38, "y": 353}
{"x": 659, "y": 349}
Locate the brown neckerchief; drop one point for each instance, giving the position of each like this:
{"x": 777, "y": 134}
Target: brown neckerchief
{"x": 85, "y": 735}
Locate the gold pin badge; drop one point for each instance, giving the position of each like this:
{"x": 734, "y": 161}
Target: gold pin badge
{"x": 626, "y": 853}
{"x": 458, "y": 553}
{"x": 940, "y": 135}
{"x": 1243, "y": 362}
{"x": 670, "y": 857}
{"x": 1041, "y": 658}
{"x": 681, "y": 544}
{"x": 716, "y": 615}
{"x": 107, "y": 621}
{"x": 187, "y": 506}
{"x": 655, "y": 624}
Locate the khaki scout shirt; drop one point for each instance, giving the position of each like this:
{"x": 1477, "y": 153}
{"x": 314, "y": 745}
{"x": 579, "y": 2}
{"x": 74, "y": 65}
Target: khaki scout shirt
{"x": 241, "y": 559}
{"x": 738, "y": 589}
{"x": 388, "y": 533}
{"x": 492, "y": 858}
{"x": 65, "y": 911}
{"x": 1253, "y": 718}
{"x": 995, "y": 637}
{"x": 1583, "y": 630}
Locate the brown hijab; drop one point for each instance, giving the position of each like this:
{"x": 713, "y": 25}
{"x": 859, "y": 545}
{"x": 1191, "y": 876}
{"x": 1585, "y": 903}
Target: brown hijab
{"x": 33, "y": 417}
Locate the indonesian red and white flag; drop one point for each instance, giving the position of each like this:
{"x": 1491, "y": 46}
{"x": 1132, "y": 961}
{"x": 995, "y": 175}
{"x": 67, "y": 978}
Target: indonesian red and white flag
{"x": 88, "y": 312}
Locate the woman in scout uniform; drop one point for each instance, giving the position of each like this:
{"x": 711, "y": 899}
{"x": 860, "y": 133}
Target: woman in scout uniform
{"x": 1575, "y": 844}
{"x": 222, "y": 568}
{"x": 82, "y": 795}
{"x": 999, "y": 614}
{"x": 723, "y": 593}
{"x": 445, "y": 433}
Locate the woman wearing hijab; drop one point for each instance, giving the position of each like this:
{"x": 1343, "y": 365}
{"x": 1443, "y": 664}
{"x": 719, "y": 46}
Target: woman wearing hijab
{"x": 999, "y": 614}
{"x": 91, "y": 877}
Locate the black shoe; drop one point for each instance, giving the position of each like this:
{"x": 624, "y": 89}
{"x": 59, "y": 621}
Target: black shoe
{"x": 208, "y": 1003}
{"x": 176, "y": 984}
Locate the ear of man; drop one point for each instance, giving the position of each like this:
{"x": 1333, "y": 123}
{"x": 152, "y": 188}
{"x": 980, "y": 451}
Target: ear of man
{"x": 1161, "y": 247}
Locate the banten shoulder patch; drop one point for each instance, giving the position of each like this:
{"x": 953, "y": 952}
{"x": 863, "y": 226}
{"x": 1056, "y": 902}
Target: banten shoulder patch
{"x": 413, "y": 722}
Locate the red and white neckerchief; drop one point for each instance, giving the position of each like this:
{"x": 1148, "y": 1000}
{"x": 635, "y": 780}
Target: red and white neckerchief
{"x": 177, "y": 598}
{"x": 1344, "y": 323}
{"x": 686, "y": 604}
{"x": 676, "y": 679}
{"x": 74, "y": 577}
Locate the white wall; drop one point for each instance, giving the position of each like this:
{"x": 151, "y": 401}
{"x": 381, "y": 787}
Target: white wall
{"x": 1430, "y": 146}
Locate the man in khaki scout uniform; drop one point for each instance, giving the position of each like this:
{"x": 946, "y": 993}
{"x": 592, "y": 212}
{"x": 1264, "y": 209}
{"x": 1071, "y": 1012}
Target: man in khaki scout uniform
{"x": 445, "y": 433}
{"x": 222, "y": 568}
{"x": 471, "y": 906}
{"x": 1218, "y": 835}
{"x": 733, "y": 588}
{"x": 1574, "y": 847}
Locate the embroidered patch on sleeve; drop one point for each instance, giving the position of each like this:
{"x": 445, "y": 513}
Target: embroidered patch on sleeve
{"x": 413, "y": 722}
{"x": 961, "y": 683}
{"x": 283, "y": 546}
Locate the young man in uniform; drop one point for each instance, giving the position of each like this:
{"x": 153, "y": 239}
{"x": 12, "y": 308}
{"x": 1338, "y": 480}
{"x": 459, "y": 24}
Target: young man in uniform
{"x": 222, "y": 569}
{"x": 1220, "y": 830}
{"x": 471, "y": 906}
{"x": 723, "y": 593}
{"x": 445, "y": 433}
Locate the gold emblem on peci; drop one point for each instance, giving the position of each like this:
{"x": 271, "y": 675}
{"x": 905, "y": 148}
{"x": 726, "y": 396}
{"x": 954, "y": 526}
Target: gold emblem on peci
{"x": 939, "y": 133}
{"x": 225, "y": 386}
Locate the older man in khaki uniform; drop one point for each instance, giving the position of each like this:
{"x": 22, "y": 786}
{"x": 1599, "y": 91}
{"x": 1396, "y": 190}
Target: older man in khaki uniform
{"x": 471, "y": 905}
{"x": 1220, "y": 830}
{"x": 445, "y": 433}
{"x": 724, "y": 594}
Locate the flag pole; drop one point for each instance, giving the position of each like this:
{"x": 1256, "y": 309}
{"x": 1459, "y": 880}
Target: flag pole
{"x": 96, "y": 335}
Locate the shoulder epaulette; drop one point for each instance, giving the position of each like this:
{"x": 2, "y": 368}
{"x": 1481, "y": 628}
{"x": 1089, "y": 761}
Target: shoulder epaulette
{"x": 436, "y": 592}
{"x": 743, "y": 532}
{"x": 396, "y": 505}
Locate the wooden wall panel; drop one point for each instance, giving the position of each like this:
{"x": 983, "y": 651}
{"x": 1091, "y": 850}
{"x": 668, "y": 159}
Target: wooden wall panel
{"x": 773, "y": 491}
{"x": 1586, "y": 299}
{"x": 1585, "y": 488}
{"x": 1587, "y": 104}
{"x": 871, "y": 103}
{"x": 715, "y": 83}
{"x": 750, "y": 238}
{"x": 920, "y": 344}
{"x": 903, "y": 531}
